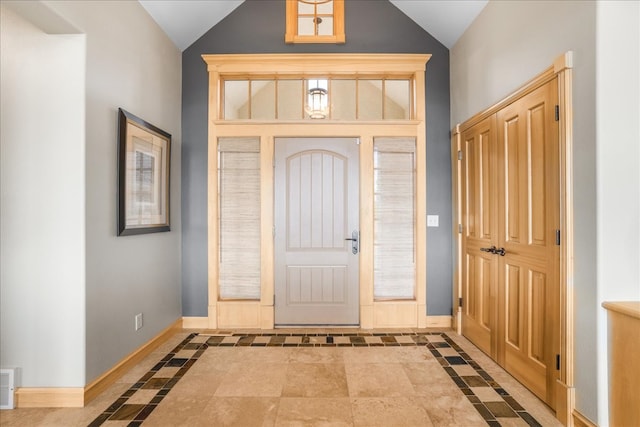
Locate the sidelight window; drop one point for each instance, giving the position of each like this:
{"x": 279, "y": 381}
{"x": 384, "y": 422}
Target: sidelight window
{"x": 394, "y": 214}
{"x": 239, "y": 217}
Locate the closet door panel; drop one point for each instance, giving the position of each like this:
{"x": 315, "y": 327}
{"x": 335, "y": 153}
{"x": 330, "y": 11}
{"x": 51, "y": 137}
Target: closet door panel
{"x": 479, "y": 215}
{"x": 528, "y": 200}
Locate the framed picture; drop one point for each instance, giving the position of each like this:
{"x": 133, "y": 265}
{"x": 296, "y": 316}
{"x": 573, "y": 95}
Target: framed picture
{"x": 144, "y": 153}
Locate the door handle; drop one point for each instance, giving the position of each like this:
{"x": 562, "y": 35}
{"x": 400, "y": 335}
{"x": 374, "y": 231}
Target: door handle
{"x": 354, "y": 241}
{"x": 495, "y": 251}
{"x": 491, "y": 250}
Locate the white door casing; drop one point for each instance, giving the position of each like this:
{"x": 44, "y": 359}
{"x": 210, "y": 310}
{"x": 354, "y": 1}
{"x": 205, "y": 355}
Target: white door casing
{"x": 316, "y": 209}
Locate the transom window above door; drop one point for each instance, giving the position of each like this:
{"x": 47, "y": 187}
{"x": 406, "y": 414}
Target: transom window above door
{"x": 318, "y": 97}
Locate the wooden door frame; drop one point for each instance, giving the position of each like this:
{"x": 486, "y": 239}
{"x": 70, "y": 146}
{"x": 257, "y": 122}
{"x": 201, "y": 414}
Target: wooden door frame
{"x": 260, "y": 313}
{"x": 562, "y": 70}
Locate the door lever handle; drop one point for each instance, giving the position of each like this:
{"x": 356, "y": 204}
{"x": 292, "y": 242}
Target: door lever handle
{"x": 495, "y": 251}
{"x": 354, "y": 241}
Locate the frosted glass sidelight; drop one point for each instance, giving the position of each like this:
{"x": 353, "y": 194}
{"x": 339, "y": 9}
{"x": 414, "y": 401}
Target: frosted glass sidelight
{"x": 239, "y": 216}
{"x": 394, "y": 218}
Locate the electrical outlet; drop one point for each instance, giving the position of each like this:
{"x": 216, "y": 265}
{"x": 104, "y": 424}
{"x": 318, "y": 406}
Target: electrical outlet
{"x": 433, "y": 220}
{"x": 138, "y": 321}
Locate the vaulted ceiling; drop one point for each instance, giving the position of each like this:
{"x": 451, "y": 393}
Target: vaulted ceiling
{"x": 185, "y": 21}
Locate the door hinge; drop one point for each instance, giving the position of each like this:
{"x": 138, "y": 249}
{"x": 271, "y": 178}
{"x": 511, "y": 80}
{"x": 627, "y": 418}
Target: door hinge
{"x": 557, "y": 113}
{"x": 459, "y": 302}
{"x": 460, "y": 228}
{"x": 557, "y": 362}
{"x": 557, "y": 237}
{"x": 459, "y": 154}
{"x": 274, "y": 300}
{"x": 273, "y": 231}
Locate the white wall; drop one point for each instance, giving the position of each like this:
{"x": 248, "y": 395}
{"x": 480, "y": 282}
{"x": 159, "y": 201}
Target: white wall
{"x": 70, "y": 287}
{"x": 618, "y": 165}
{"x": 131, "y": 64}
{"x": 42, "y": 302}
{"x": 508, "y": 44}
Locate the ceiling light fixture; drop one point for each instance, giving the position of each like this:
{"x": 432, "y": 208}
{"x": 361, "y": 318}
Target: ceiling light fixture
{"x": 317, "y": 98}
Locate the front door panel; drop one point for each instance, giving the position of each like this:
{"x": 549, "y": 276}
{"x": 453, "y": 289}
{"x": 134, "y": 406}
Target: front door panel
{"x": 316, "y": 217}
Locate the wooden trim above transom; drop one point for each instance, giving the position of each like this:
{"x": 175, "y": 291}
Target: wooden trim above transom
{"x": 352, "y": 64}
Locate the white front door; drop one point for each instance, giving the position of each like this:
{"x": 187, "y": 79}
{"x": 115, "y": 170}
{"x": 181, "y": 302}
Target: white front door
{"x": 316, "y": 211}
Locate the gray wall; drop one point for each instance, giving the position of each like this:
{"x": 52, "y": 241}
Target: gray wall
{"x": 372, "y": 26}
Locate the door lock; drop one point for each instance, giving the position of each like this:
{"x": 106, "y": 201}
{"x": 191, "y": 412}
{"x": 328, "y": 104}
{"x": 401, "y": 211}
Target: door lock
{"x": 354, "y": 241}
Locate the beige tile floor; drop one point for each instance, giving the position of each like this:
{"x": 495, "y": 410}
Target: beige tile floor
{"x": 304, "y": 386}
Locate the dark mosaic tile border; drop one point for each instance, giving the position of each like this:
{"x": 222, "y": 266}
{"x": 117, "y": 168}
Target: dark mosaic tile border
{"x": 491, "y": 411}
{"x": 120, "y": 410}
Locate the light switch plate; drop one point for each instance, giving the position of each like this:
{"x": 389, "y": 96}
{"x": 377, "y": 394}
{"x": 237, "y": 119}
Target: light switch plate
{"x": 433, "y": 221}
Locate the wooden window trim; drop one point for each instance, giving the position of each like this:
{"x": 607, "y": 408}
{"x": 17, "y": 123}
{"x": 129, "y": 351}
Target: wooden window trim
{"x": 291, "y": 33}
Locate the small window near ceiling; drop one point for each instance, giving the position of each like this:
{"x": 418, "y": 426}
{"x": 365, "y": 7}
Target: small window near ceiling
{"x": 315, "y": 21}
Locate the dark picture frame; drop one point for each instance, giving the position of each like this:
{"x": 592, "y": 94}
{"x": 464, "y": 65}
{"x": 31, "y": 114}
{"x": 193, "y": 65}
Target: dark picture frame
{"x": 144, "y": 160}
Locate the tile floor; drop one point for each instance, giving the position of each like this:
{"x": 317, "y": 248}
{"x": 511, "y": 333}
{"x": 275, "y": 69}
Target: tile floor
{"x": 307, "y": 377}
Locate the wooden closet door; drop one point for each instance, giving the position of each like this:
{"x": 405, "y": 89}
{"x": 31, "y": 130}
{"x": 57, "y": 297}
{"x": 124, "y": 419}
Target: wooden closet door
{"x": 480, "y": 231}
{"x": 528, "y": 214}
